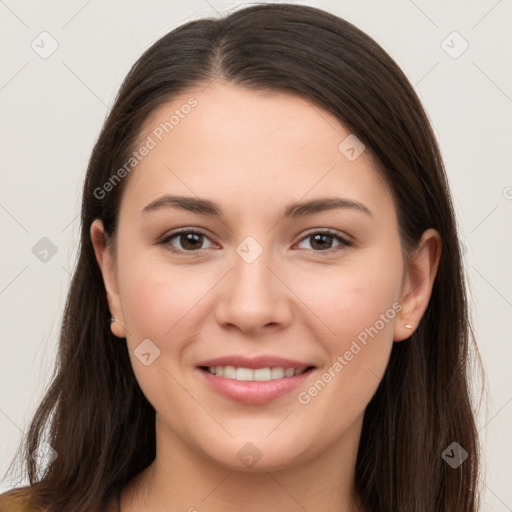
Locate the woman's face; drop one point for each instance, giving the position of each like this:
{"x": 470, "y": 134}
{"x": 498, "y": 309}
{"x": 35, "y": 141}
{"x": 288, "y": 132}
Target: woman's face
{"x": 252, "y": 282}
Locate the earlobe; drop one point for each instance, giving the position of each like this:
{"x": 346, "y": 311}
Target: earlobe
{"x": 117, "y": 328}
{"x": 106, "y": 262}
{"x": 420, "y": 274}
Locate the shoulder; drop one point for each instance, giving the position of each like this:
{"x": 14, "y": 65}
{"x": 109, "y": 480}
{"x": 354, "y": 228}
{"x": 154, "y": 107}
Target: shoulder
{"x": 19, "y": 500}
{"x": 22, "y": 500}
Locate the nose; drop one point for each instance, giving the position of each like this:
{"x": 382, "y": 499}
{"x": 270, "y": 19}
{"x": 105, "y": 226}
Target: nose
{"x": 255, "y": 295}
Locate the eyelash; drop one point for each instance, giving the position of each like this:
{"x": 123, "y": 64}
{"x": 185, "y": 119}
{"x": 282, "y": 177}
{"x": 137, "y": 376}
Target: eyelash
{"x": 343, "y": 242}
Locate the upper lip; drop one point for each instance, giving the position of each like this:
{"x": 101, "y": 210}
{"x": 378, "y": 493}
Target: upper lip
{"x": 254, "y": 362}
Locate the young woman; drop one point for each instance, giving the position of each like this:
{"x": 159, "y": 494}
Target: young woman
{"x": 268, "y": 311}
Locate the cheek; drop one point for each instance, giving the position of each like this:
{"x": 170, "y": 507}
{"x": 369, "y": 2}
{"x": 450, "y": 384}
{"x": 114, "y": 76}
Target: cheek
{"x": 160, "y": 303}
{"x": 359, "y": 305}
{"x": 355, "y": 295}
{"x": 157, "y": 296}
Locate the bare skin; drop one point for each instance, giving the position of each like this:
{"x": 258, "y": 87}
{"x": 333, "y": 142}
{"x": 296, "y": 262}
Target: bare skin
{"x": 302, "y": 298}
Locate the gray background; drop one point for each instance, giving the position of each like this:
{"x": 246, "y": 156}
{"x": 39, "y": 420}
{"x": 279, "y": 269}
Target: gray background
{"x": 52, "y": 110}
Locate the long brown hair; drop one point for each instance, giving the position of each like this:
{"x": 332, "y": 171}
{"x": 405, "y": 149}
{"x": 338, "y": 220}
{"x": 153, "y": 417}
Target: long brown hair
{"x": 97, "y": 418}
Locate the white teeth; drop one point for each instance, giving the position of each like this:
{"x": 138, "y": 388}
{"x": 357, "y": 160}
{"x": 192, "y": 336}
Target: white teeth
{"x": 259, "y": 374}
{"x": 262, "y": 374}
{"x": 244, "y": 374}
{"x": 277, "y": 373}
{"x": 229, "y": 372}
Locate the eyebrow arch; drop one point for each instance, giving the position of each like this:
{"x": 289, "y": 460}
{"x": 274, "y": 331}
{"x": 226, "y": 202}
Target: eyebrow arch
{"x": 292, "y": 210}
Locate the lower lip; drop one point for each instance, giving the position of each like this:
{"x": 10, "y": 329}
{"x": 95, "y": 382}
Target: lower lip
{"x": 254, "y": 392}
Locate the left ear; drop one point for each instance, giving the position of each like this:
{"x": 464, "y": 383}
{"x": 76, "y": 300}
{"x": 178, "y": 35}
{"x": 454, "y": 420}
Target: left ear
{"x": 420, "y": 273}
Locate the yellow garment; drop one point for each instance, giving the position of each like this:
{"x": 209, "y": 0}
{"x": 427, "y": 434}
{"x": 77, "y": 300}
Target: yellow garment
{"x": 20, "y": 500}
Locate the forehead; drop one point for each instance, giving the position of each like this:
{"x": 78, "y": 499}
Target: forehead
{"x": 250, "y": 149}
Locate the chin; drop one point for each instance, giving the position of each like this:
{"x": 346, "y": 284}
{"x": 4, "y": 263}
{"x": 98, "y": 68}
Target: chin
{"x": 254, "y": 457}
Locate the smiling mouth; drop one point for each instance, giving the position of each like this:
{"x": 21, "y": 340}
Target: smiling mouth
{"x": 257, "y": 374}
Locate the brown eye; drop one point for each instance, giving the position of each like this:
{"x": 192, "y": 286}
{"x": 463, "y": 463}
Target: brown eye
{"x": 188, "y": 241}
{"x": 322, "y": 241}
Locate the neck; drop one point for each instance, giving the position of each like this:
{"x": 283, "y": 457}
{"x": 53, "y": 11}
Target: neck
{"x": 182, "y": 479}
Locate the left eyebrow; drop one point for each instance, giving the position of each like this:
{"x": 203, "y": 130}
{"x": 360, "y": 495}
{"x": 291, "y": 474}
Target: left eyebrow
{"x": 292, "y": 210}
{"x": 303, "y": 208}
